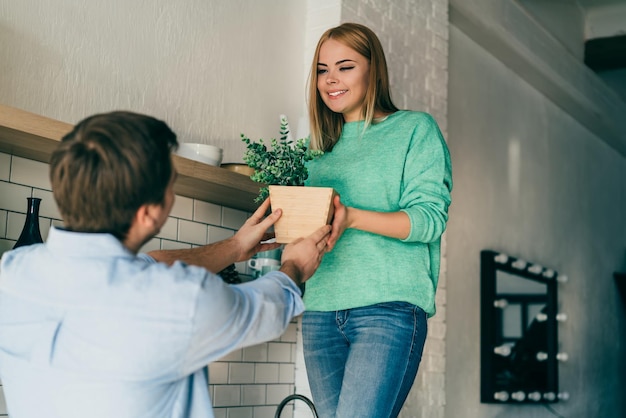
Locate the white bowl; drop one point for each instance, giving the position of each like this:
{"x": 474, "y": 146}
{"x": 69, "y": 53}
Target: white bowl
{"x": 208, "y": 154}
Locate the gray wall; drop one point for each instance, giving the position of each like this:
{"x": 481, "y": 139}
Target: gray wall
{"x": 532, "y": 182}
{"x": 564, "y": 20}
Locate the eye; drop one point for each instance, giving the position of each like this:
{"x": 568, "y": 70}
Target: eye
{"x": 346, "y": 68}
{"x": 322, "y": 70}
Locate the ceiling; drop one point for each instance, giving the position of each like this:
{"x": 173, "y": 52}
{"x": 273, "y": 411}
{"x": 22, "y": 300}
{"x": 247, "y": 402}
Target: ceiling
{"x": 596, "y": 3}
{"x": 593, "y": 30}
{"x": 590, "y": 4}
{"x": 605, "y": 30}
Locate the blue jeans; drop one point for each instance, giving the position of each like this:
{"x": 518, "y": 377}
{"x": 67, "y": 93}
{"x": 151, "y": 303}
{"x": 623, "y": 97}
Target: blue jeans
{"x": 361, "y": 363}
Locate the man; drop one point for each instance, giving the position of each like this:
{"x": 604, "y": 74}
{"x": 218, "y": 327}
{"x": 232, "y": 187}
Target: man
{"x": 90, "y": 329}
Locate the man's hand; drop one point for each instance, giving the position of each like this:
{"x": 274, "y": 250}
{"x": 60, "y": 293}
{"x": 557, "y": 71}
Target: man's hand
{"x": 244, "y": 244}
{"x": 303, "y": 256}
{"x": 253, "y": 232}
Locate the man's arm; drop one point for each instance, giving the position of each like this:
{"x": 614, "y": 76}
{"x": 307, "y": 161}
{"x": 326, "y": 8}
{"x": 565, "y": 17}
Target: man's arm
{"x": 227, "y": 318}
{"x": 246, "y": 242}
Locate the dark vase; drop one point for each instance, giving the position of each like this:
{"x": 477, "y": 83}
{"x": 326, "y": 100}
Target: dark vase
{"x": 30, "y": 233}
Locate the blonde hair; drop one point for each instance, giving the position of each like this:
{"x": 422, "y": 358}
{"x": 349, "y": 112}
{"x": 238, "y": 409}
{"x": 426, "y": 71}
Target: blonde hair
{"x": 325, "y": 124}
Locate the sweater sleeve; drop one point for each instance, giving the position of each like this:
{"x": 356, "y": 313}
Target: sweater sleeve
{"x": 426, "y": 183}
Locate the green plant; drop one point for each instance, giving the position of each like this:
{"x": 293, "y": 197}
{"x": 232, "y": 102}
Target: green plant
{"x": 283, "y": 164}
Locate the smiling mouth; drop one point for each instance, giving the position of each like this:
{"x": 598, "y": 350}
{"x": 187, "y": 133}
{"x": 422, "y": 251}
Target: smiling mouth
{"x": 337, "y": 93}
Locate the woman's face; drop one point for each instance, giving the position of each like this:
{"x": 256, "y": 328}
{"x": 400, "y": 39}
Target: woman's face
{"x": 342, "y": 79}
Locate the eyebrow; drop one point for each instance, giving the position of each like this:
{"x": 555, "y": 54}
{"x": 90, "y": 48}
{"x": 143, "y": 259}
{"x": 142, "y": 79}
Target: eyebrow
{"x": 337, "y": 63}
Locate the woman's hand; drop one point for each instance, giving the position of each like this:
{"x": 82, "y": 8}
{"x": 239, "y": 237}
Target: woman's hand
{"x": 339, "y": 223}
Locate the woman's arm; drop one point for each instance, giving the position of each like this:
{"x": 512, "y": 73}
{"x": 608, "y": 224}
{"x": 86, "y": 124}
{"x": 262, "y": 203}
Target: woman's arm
{"x": 389, "y": 224}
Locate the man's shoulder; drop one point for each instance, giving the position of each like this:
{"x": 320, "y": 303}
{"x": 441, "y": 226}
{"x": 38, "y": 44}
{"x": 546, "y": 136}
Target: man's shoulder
{"x": 177, "y": 283}
{"x": 122, "y": 283}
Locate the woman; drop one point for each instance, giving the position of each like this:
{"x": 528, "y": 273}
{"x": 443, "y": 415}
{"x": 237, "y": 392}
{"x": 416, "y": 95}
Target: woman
{"x": 367, "y": 305}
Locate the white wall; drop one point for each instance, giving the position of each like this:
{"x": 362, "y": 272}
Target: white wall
{"x": 534, "y": 183}
{"x": 210, "y": 69}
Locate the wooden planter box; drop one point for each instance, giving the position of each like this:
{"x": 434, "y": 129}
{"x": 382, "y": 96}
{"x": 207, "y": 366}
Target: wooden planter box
{"x": 305, "y": 209}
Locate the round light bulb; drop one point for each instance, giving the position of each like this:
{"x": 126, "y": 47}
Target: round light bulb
{"x": 500, "y": 303}
{"x": 502, "y": 350}
{"x": 501, "y": 396}
{"x": 501, "y": 258}
{"x": 518, "y": 396}
{"x": 519, "y": 264}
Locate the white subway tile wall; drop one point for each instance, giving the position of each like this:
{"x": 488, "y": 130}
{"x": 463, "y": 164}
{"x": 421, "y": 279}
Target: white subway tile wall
{"x": 193, "y": 232}
{"x": 247, "y": 383}
{"x": 5, "y": 162}
{"x": 169, "y": 230}
{"x": 30, "y": 172}
{"x": 251, "y": 382}
{"x": 3, "y": 223}
{"x": 208, "y": 213}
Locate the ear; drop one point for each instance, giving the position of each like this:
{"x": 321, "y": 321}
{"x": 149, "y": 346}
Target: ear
{"x": 146, "y": 217}
{"x": 144, "y": 226}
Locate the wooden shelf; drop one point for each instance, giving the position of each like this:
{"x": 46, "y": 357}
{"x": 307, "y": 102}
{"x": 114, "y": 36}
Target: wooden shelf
{"x": 35, "y": 137}
{"x": 215, "y": 185}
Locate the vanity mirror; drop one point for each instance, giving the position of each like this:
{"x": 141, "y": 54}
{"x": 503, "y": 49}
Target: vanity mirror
{"x": 519, "y": 338}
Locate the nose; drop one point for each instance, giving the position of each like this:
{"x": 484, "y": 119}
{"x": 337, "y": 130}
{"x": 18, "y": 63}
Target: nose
{"x": 330, "y": 80}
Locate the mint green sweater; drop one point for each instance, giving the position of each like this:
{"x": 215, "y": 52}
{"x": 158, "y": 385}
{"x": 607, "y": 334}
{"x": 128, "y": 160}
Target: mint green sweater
{"x": 399, "y": 164}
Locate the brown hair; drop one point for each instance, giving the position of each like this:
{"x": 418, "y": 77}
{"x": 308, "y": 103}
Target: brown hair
{"x": 326, "y": 125}
{"x": 107, "y": 167}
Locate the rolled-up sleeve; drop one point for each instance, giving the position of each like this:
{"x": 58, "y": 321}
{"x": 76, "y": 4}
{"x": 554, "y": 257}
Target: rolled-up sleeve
{"x": 427, "y": 183}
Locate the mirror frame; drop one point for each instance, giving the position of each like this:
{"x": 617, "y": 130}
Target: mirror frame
{"x": 492, "y": 262}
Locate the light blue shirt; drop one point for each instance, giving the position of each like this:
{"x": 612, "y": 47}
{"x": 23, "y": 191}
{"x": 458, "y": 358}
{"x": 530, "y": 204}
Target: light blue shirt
{"x": 90, "y": 330}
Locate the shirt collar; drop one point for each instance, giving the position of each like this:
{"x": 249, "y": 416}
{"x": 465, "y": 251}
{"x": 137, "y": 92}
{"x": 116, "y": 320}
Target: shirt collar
{"x": 85, "y": 243}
